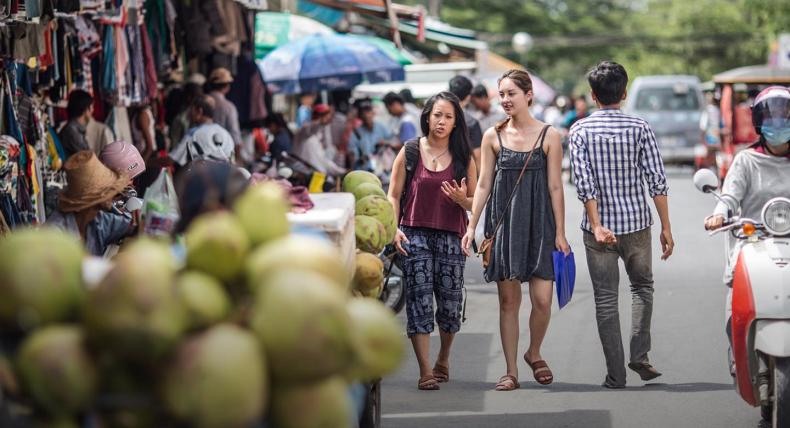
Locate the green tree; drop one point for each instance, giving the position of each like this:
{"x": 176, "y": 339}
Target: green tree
{"x": 700, "y": 37}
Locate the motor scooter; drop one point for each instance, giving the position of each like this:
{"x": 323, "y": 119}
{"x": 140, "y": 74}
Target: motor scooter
{"x": 760, "y": 324}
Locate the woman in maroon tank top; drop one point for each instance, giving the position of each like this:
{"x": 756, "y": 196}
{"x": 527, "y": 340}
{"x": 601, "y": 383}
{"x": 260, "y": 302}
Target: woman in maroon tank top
{"x": 433, "y": 220}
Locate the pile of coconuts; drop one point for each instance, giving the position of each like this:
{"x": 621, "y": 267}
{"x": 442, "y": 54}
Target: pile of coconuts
{"x": 257, "y": 324}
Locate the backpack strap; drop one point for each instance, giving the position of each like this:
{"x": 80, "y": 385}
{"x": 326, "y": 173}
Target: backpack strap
{"x": 412, "y": 148}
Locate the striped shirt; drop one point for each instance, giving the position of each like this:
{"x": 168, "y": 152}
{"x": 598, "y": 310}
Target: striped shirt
{"x": 613, "y": 156}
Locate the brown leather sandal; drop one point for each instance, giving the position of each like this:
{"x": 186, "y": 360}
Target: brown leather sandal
{"x": 539, "y": 367}
{"x": 507, "y": 383}
{"x": 441, "y": 373}
{"x": 428, "y": 383}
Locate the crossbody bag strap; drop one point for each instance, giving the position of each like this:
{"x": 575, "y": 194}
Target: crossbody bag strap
{"x": 538, "y": 141}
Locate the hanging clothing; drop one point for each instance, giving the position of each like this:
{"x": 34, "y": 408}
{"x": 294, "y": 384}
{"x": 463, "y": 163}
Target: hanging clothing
{"x": 248, "y": 92}
{"x": 119, "y": 123}
{"x": 98, "y": 136}
{"x": 28, "y": 40}
{"x": 149, "y": 68}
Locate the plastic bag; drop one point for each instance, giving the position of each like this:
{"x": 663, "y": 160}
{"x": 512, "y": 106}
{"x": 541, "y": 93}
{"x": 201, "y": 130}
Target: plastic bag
{"x": 160, "y": 208}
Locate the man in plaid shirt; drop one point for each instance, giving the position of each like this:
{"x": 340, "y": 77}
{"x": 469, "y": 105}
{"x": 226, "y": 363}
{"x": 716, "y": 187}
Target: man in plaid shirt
{"x": 614, "y": 157}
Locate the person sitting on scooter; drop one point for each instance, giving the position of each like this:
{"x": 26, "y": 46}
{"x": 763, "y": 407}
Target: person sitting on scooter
{"x": 758, "y": 174}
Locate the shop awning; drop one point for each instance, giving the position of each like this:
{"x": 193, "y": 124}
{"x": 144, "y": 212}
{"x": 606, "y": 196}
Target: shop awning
{"x": 372, "y": 7}
{"x": 274, "y": 29}
{"x": 400, "y": 55}
{"x": 754, "y": 74}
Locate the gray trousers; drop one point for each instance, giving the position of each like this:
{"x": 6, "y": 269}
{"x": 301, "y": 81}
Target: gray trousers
{"x": 602, "y": 260}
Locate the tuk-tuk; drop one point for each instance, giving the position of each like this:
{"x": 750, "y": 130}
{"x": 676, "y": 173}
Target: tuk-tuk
{"x": 737, "y": 88}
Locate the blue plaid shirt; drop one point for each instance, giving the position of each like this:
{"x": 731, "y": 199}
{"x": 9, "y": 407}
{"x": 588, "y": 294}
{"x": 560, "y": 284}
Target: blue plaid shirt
{"x": 613, "y": 156}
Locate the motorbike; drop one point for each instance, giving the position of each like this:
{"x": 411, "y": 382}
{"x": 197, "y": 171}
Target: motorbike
{"x": 760, "y": 324}
{"x": 393, "y": 294}
{"x": 296, "y": 170}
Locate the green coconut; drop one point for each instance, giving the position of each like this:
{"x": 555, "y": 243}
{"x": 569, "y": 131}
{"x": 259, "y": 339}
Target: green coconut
{"x": 136, "y": 309}
{"x": 371, "y": 235}
{"x": 262, "y": 213}
{"x": 298, "y": 252}
{"x": 40, "y": 277}
{"x": 302, "y": 321}
{"x": 378, "y": 340}
{"x": 318, "y": 405}
{"x": 217, "y": 245}
{"x": 368, "y": 189}
{"x": 56, "y": 371}
{"x": 381, "y": 209}
{"x": 204, "y": 299}
{"x": 218, "y": 379}
{"x": 369, "y": 273}
{"x": 355, "y": 178}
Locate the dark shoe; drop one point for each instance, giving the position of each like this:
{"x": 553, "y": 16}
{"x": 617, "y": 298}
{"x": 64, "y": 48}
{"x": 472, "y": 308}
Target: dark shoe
{"x": 645, "y": 370}
{"x": 606, "y": 384}
{"x": 610, "y": 383}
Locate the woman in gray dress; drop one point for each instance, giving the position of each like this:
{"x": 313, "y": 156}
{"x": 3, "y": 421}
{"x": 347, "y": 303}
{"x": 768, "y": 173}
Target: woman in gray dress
{"x": 532, "y": 226}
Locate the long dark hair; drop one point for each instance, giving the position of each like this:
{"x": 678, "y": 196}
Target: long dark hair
{"x": 460, "y": 148}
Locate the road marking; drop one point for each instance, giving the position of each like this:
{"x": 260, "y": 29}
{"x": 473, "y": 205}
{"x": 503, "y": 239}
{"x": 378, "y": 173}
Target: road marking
{"x": 440, "y": 414}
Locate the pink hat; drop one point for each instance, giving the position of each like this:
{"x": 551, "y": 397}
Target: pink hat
{"x": 123, "y": 158}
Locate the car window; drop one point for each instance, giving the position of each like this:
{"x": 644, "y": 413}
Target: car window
{"x": 666, "y": 99}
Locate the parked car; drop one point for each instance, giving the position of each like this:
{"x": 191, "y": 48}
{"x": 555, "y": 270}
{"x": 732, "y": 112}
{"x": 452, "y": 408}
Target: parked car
{"x": 672, "y": 105}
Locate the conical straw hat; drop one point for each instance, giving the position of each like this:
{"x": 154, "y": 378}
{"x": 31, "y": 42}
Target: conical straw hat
{"x": 89, "y": 182}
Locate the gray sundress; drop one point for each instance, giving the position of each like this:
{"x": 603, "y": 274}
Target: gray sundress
{"x": 525, "y": 240}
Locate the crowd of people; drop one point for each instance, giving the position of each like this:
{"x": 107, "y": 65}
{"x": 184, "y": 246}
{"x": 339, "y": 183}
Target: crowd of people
{"x": 457, "y": 162}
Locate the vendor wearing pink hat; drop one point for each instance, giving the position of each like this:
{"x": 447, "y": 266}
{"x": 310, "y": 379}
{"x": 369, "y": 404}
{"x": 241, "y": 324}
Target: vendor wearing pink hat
{"x": 123, "y": 158}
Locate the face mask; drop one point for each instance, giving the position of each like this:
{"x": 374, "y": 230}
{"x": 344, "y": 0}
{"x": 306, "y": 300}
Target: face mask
{"x": 775, "y": 136}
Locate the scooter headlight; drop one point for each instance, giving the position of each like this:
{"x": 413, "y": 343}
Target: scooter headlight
{"x": 776, "y": 216}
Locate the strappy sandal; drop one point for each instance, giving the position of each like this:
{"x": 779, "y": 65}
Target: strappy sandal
{"x": 645, "y": 370}
{"x": 441, "y": 373}
{"x": 507, "y": 383}
{"x": 428, "y": 383}
{"x": 539, "y": 367}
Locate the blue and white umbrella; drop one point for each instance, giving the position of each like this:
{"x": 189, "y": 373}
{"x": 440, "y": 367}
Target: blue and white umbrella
{"x": 327, "y": 62}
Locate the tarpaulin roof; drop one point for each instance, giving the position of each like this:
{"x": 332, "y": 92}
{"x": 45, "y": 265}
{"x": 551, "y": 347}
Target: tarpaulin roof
{"x": 754, "y": 74}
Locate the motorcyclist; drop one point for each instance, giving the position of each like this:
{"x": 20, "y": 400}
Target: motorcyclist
{"x": 757, "y": 175}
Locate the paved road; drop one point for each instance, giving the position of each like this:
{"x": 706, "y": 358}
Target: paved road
{"x": 689, "y": 347}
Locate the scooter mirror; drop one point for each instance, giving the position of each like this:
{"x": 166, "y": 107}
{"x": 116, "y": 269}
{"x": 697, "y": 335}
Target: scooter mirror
{"x": 706, "y": 181}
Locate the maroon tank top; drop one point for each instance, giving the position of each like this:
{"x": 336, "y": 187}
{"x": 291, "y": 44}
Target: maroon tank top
{"x": 427, "y": 206}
